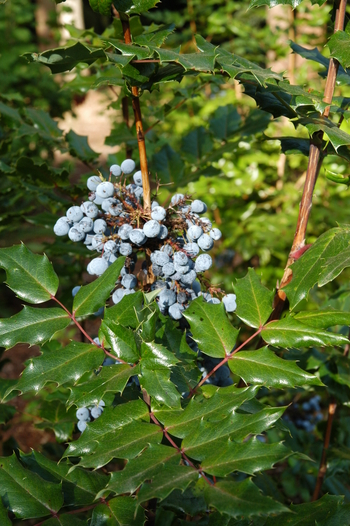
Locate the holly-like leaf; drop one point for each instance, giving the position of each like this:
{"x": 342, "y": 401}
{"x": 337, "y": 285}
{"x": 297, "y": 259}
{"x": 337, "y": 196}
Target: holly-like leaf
{"x": 322, "y": 319}
{"x": 168, "y": 165}
{"x": 289, "y": 332}
{"x": 64, "y": 519}
{"x": 111, "y": 378}
{"x": 122, "y": 340}
{"x": 134, "y": 6}
{"x": 4, "y": 518}
{"x": 339, "y": 46}
{"x": 310, "y": 513}
{"x": 250, "y": 457}
{"x": 264, "y": 367}
{"x": 30, "y": 276}
{"x": 94, "y": 295}
{"x": 66, "y": 58}
{"x": 79, "y": 147}
{"x": 211, "y": 328}
{"x": 33, "y": 326}
{"x": 225, "y": 121}
{"x": 321, "y": 263}
{"x": 167, "y": 479}
{"x": 118, "y": 433}
{"x": 196, "y": 144}
{"x": 239, "y": 499}
{"x": 122, "y": 511}
{"x": 101, "y": 6}
{"x": 217, "y": 407}
{"x": 254, "y": 301}
{"x": 28, "y": 496}
{"x": 126, "y": 312}
{"x": 60, "y": 366}
{"x": 144, "y": 467}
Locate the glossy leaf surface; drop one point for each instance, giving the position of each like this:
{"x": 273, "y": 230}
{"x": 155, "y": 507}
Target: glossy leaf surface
{"x": 121, "y": 511}
{"x": 254, "y": 301}
{"x": 127, "y": 311}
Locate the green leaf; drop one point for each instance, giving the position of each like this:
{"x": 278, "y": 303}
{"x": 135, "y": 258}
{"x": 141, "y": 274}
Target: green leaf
{"x": 121, "y": 340}
{"x": 126, "y": 311}
{"x": 168, "y": 165}
{"x": 307, "y": 514}
{"x": 117, "y": 433}
{"x": 42, "y": 121}
{"x": 60, "y": 366}
{"x": 4, "y": 518}
{"x": 144, "y": 467}
{"x": 321, "y": 263}
{"x": 6, "y": 413}
{"x": 264, "y": 367}
{"x": 121, "y": 511}
{"x": 211, "y": 328}
{"x": 289, "y": 332}
{"x": 134, "y": 6}
{"x": 101, "y": 6}
{"x": 254, "y": 301}
{"x": 339, "y": 46}
{"x": 79, "y": 147}
{"x": 225, "y": 121}
{"x": 250, "y": 457}
{"x": 79, "y": 486}
{"x": 66, "y": 58}
{"x": 64, "y": 519}
{"x": 239, "y": 499}
{"x": 322, "y": 319}
{"x": 218, "y": 406}
{"x": 173, "y": 477}
{"x": 29, "y": 275}
{"x": 27, "y": 495}
{"x": 111, "y": 378}
{"x": 33, "y": 326}
{"x": 196, "y": 144}
{"x": 94, "y": 295}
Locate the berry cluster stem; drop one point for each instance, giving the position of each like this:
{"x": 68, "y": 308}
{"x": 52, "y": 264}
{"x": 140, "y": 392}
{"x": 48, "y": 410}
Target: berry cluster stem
{"x": 138, "y": 124}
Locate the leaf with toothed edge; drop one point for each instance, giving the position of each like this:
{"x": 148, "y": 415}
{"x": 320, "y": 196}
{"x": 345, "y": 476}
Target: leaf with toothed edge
{"x": 120, "y": 511}
{"x": 30, "y": 276}
{"x": 254, "y": 301}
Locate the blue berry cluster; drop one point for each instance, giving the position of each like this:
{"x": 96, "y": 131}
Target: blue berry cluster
{"x": 306, "y": 415}
{"x": 87, "y": 414}
{"x": 175, "y": 239}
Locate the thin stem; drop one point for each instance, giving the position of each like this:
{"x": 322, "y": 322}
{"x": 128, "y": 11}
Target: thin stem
{"x": 323, "y": 463}
{"x": 314, "y": 165}
{"x": 138, "y": 124}
{"x": 125, "y": 109}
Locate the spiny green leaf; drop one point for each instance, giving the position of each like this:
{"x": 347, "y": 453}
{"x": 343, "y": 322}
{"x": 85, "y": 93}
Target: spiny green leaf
{"x": 196, "y": 144}
{"x": 215, "y": 408}
{"x": 337, "y": 136}
{"x": 168, "y": 478}
{"x": 111, "y": 378}
{"x": 64, "y": 519}
{"x": 126, "y": 311}
{"x": 322, "y": 319}
{"x": 250, "y": 457}
{"x": 94, "y": 295}
{"x": 79, "y": 147}
{"x": 211, "y": 328}
{"x": 134, "y": 6}
{"x": 121, "y": 511}
{"x": 155, "y": 355}
{"x": 33, "y": 326}
{"x": 122, "y": 340}
{"x": 60, "y": 366}
{"x": 101, "y": 6}
{"x": 339, "y": 46}
{"x": 144, "y": 467}
{"x": 239, "y": 498}
{"x": 264, "y": 367}
{"x": 157, "y": 384}
{"x": 66, "y": 58}
{"x": 29, "y": 275}
{"x": 254, "y": 301}
{"x": 28, "y": 496}
{"x": 169, "y": 165}
{"x": 4, "y": 518}
{"x": 307, "y": 514}
{"x": 290, "y": 332}
{"x": 225, "y": 121}
{"x": 318, "y": 263}
{"x": 209, "y": 435}
{"x": 79, "y": 486}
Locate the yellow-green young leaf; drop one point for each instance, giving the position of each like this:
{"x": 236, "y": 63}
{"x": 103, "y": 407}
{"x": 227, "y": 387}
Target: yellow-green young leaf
{"x": 339, "y": 46}
{"x": 120, "y": 511}
{"x": 30, "y": 276}
{"x": 111, "y": 378}
{"x": 94, "y": 295}
{"x": 239, "y": 498}
{"x": 121, "y": 340}
{"x": 264, "y": 367}
{"x": 310, "y": 513}
{"x": 33, "y": 326}
{"x": 254, "y": 301}
{"x": 322, "y": 319}
{"x": 63, "y": 365}
{"x": 214, "y": 409}
{"x": 165, "y": 481}
{"x": 249, "y": 457}
{"x": 27, "y": 495}
{"x": 211, "y": 328}
{"x": 290, "y": 332}
{"x": 144, "y": 467}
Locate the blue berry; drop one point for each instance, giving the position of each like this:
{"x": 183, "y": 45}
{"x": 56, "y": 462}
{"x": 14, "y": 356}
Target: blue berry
{"x": 151, "y": 228}
{"x": 203, "y": 263}
{"x": 62, "y": 226}
{"x": 180, "y": 258}
{"x": 198, "y": 207}
{"x": 158, "y": 213}
{"x": 75, "y": 234}
{"x": 192, "y": 249}
{"x": 100, "y": 226}
{"x": 138, "y": 178}
{"x": 97, "y": 266}
{"x": 129, "y": 281}
{"x": 83, "y": 414}
{"x": 177, "y": 198}
{"x": 175, "y": 311}
{"x": 125, "y": 249}
{"x": 89, "y": 209}
{"x": 124, "y": 232}
{"x": 188, "y": 279}
{"x": 128, "y": 166}
{"x": 215, "y": 234}
{"x": 205, "y": 242}
{"x": 74, "y": 213}
{"x": 75, "y": 290}
{"x": 194, "y": 232}
{"x": 105, "y": 190}
{"x": 137, "y": 236}
{"x": 229, "y": 302}
{"x": 115, "y": 170}
{"x": 93, "y": 182}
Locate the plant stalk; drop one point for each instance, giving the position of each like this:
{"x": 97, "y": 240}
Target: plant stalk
{"x": 313, "y": 169}
{"x": 138, "y": 124}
